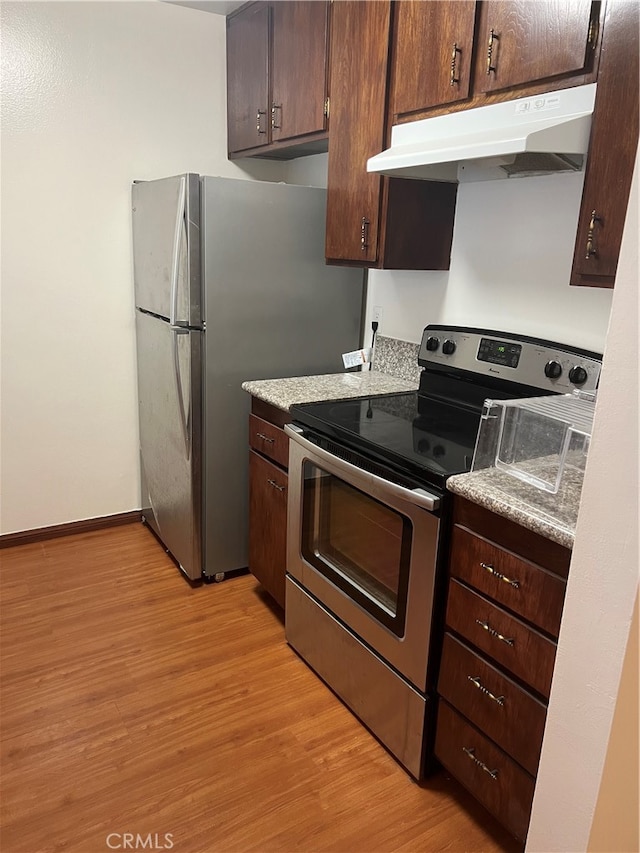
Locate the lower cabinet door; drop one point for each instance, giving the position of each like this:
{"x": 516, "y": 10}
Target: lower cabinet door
{"x": 486, "y": 771}
{"x": 268, "y": 524}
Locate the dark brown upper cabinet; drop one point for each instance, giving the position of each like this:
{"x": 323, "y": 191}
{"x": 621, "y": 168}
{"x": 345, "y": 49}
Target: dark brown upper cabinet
{"x": 612, "y": 151}
{"x": 521, "y": 42}
{"x": 248, "y": 78}
{"x": 374, "y": 221}
{"x": 359, "y": 50}
{"x": 299, "y": 69}
{"x": 449, "y": 56}
{"x": 432, "y": 53}
{"x": 277, "y": 71}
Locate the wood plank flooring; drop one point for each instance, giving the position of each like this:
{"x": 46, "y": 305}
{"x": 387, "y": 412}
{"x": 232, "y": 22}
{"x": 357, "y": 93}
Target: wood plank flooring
{"x": 134, "y": 703}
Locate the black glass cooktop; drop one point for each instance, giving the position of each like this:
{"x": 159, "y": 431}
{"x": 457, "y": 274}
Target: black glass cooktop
{"x": 416, "y": 434}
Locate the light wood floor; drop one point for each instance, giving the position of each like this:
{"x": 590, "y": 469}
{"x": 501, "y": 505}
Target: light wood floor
{"x": 134, "y": 703}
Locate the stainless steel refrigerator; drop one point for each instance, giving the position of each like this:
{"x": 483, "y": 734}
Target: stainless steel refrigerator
{"x": 230, "y": 284}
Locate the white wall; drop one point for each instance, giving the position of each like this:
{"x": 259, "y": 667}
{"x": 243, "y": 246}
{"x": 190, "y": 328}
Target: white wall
{"x": 93, "y": 96}
{"x": 602, "y": 587}
{"x": 510, "y": 263}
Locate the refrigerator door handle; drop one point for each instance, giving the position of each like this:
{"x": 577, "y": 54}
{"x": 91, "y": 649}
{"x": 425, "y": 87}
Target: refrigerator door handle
{"x": 185, "y": 417}
{"x": 177, "y": 242}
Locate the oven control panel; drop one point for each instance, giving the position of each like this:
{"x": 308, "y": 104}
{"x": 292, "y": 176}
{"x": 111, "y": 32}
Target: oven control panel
{"x": 549, "y": 366}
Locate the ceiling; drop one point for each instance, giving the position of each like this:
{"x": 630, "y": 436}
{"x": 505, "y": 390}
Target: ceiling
{"x": 218, "y": 7}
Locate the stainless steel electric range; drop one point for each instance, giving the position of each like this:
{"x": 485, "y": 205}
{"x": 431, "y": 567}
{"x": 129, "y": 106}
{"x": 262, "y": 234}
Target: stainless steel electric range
{"x": 368, "y": 521}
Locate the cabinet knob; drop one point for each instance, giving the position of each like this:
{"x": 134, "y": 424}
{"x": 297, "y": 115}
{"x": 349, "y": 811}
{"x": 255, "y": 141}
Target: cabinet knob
{"x": 453, "y": 78}
{"x": 492, "y": 38}
{"x": 592, "y": 252}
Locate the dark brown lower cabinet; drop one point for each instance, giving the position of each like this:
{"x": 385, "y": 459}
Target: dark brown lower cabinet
{"x": 268, "y": 486}
{"x": 486, "y": 771}
{"x": 504, "y": 608}
{"x": 268, "y": 524}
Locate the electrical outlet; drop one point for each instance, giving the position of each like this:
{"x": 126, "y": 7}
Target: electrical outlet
{"x": 376, "y": 315}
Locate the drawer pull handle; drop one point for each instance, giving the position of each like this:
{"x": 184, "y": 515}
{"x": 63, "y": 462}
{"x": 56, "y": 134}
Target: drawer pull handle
{"x": 492, "y": 37}
{"x": 265, "y": 437}
{"x": 471, "y": 752}
{"x": 508, "y": 640}
{"x": 489, "y": 568}
{"x": 453, "y": 78}
{"x": 592, "y": 252}
{"x": 259, "y": 114}
{"x": 275, "y": 485}
{"x": 497, "y": 699}
{"x": 364, "y": 233}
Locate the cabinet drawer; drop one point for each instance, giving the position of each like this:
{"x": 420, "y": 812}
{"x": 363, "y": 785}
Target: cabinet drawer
{"x": 269, "y": 440}
{"x": 511, "y": 717}
{"x": 522, "y": 650}
{"x": 490, "y": 775}
{"x": 529, "y": 590}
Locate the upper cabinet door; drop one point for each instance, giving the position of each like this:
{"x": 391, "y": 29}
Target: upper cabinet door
{"x": 248, "y": 108}
{"x": 359, "y": 54}
{"x": 612, "y": 150}
{"x": 431, "y": 53}
{"x": 524, "y": 41}
{"x": 299, "y": 68}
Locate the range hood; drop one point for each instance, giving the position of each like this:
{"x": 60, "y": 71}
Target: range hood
{"x": 527, "y": 136}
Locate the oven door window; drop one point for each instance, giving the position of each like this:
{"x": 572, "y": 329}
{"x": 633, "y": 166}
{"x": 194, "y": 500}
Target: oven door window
{"x": 358, "y": 543}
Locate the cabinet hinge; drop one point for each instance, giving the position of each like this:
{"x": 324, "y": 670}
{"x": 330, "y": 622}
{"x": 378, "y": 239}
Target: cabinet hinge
{"x": 326, "y": 107}
{"x": 592, "y": 37}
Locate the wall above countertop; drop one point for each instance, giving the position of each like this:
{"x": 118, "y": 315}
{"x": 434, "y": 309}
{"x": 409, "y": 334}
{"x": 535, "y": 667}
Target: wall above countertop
{"x": 510, "y": 264}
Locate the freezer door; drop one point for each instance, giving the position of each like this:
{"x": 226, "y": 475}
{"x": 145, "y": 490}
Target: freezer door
{"x": 170, "y": 409}
{"x": 166, "y": 248}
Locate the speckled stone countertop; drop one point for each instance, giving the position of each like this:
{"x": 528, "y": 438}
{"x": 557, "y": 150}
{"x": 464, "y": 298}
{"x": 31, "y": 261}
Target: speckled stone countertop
{"x": 552, "y": 516}
{"x": 285, "y": 393}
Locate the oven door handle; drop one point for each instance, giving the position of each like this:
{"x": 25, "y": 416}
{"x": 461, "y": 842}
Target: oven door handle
{"x": 418, "y": 497}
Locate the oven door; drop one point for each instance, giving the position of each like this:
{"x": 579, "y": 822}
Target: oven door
{"x": 366, "y": 548}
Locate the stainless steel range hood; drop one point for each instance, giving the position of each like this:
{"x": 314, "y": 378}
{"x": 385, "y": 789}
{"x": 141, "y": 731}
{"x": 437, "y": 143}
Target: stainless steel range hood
{"x": 528, "y": 136}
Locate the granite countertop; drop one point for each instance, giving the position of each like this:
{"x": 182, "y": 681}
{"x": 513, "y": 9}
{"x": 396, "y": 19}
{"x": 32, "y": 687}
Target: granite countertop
{"x": 552, "y": 516}
{"x": 285, "y": 393}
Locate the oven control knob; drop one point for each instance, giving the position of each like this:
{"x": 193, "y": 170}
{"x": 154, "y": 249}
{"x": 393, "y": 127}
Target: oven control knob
{"x": 433, "y": 344}
{"x": 553, "y": 369}
{"x": 449, "y": 347}
{"x": 578, "y": 375}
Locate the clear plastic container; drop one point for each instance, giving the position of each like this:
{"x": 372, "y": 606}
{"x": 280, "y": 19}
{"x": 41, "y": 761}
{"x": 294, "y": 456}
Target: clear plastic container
{"x": 537, "y": 438}
{"x": 534, "y": 452}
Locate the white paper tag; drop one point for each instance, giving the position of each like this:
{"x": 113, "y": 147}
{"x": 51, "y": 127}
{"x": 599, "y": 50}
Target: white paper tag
{"x": 358, "y": 356}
